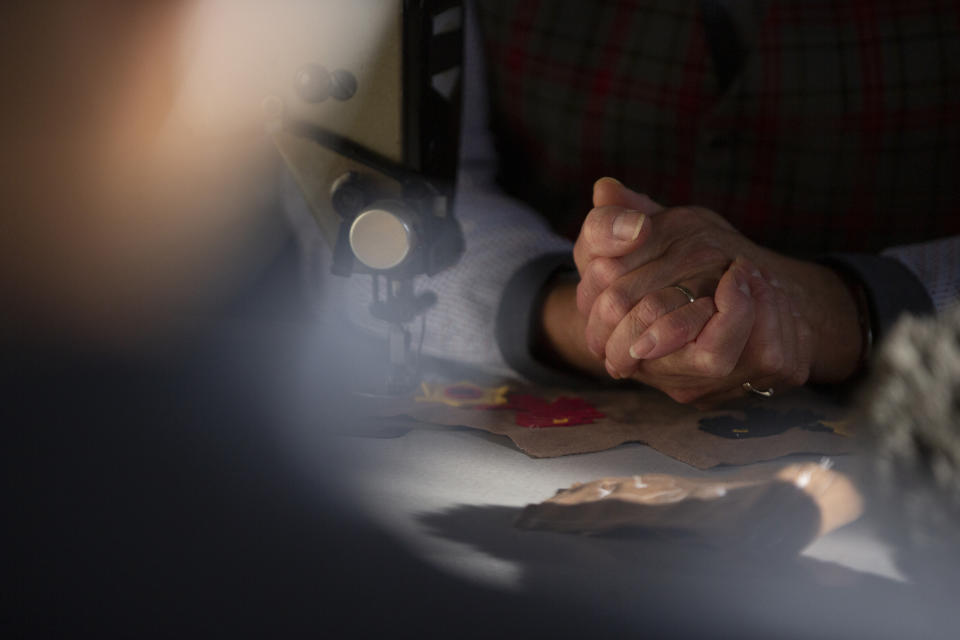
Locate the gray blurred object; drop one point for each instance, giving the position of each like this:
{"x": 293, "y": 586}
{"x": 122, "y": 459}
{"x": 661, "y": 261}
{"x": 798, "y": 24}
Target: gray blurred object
{"x": 910, "y": 413}
{"x": 368, "y": 126}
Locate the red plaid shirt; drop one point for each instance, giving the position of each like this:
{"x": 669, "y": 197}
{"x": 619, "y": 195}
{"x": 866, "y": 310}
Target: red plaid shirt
{"x": 840, "y": 129}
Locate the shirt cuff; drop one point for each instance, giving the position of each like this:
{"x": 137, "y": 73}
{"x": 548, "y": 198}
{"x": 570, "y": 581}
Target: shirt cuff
{"x": 518, "y": 318}
{"x": 891, "y": 288}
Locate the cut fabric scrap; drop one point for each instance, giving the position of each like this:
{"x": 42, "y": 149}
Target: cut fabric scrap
{"x": 785, "y": 508}
{"x": 609, "y": 418}
{"x": 763, "y": 422}
{"x": 534, "y": 412}
{"x": 842, "y": 427}
{"x": 462, "y": 394}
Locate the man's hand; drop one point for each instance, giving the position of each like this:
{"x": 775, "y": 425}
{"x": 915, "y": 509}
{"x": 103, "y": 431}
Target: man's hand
{"x": 758, "y": 316}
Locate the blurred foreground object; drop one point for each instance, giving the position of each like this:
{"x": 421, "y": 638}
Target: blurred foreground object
{"x": 122, "y": 212}
{"x": 911, "y": 411}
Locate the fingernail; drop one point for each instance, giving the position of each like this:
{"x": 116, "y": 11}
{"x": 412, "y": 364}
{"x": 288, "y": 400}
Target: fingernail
{"x": 610, "y": 370}
{"x": 627, "y": 225}
{"x": 610, "y": 179}
{"x": 742, "y": 283}
{"x": 643, "y": 346}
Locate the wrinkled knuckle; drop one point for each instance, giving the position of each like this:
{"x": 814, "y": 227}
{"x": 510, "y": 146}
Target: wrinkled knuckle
{"x": 611, "y": 307}
{"x": 602, "y": 272}
{"x": 648, "y": 310}
{"x": 595, "y": 344}
{"x": 677, "y": 325}
{"x": 685, "y": 215}
{"x": 771, "y": 360}
{"x": 763, "y": 292}
{"x": 801, "y": 374}
{"x": 799, "y": 377}
{"x": 714, "y": 365}
{"x": 595, "y": 229}
{"x": 705, "y": 255}
{"x": 584, "y": 298}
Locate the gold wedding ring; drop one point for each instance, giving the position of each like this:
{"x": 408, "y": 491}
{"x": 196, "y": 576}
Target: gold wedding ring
{"x": 682, "y": 289}
{"x": 760, "y": 392}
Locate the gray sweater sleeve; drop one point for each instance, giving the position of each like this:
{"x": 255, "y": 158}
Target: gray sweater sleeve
{"x": 891, "y": 289}
{"x": 918, "y": 279}
{"x": 936, "y": 264}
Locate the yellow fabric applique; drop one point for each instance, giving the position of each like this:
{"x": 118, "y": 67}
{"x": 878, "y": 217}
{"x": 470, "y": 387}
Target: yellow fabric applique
{"x": 840, "y": 427}
{"x": 462, "y": 394}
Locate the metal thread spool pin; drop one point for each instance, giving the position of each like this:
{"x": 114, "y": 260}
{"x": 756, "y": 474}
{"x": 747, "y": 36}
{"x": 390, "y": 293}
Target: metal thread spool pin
{"x": 313, "y": 83}
{"x": 382, "y": 237}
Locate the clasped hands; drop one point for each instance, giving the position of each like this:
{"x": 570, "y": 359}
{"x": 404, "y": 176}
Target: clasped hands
{"x": 757, "y": 316}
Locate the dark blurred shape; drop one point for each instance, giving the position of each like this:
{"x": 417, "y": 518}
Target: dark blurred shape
{"x": 678, "y": 587}
{"x": 120, "y": 218}
{"x": 177, "y": 497}
{"x": 910, "y": 411}
{"x": 162, "y": 474}
{"x": 344, "y": 84}
{"x": 773, "y": 511}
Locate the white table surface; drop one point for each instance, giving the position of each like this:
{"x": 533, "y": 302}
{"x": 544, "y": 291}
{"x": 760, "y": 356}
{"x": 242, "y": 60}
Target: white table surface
{"x": 431, "y": 470}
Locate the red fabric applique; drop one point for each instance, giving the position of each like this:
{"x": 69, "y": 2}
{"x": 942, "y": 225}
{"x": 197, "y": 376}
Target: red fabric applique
{"x": 533, "y": 412}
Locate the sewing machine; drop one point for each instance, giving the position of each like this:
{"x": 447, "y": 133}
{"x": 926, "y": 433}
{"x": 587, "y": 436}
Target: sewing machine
{"x": 369, "y": 129}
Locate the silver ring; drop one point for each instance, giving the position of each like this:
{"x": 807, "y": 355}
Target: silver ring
{"x": 760, "y": 392}
{"x": 682, "y": 289}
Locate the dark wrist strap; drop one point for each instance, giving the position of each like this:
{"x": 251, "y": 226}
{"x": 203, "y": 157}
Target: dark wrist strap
{"x": 859, "y": 295}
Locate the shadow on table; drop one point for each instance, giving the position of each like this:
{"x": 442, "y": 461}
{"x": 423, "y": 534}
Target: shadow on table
{"x": 696, "y": 588}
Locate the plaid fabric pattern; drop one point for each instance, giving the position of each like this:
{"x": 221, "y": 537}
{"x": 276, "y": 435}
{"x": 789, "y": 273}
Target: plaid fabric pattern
{"x": 840, "y": 131}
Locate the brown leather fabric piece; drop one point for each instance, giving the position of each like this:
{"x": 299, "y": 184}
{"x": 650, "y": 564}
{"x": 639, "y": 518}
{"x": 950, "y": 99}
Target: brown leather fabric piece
{"x": 772, "y": 508}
